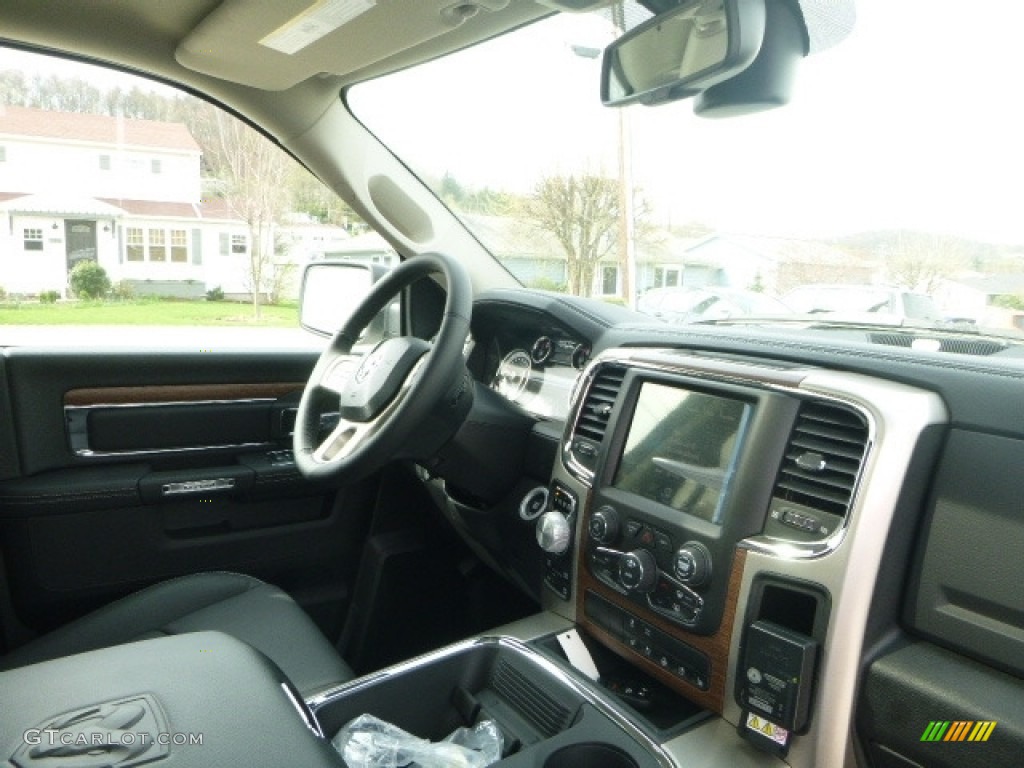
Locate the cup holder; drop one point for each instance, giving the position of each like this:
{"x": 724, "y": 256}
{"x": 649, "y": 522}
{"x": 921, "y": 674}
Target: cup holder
{"x": 594, "y": 755}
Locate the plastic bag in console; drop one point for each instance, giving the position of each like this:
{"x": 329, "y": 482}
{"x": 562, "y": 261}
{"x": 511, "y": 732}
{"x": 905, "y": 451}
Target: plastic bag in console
{"x": 368, "y": 742}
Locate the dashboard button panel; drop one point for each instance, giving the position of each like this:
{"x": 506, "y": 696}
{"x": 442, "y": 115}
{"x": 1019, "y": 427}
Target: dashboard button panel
{"x": 672, "y": 655}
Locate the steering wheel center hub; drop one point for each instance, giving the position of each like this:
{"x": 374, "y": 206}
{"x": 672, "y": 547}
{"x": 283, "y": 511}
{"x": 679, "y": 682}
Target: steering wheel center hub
{"x": 379, "y": 377}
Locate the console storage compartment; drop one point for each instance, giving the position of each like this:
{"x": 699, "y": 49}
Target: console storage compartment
{"x": 547, "y": 720}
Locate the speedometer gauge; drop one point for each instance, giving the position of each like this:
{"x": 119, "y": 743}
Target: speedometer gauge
{"x": 542, "y": 349}
{"x": 513, "y": 374}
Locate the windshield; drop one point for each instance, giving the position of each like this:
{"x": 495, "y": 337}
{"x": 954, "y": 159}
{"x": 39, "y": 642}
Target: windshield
{"x": 890, "y": 175}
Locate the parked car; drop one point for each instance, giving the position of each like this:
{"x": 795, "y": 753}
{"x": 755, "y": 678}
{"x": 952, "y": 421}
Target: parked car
{"x": 884, "y": 302}
{"x": 751, "y": 544}
{"x": 689, "y": 305}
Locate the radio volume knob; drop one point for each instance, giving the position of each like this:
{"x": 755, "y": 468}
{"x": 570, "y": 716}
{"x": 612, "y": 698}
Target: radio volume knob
{"x": 638, "y": 571}
{"x": 692, "y": 564}
{"x": 604, "y": 525}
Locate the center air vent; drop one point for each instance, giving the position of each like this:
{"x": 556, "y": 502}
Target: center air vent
{"x": 823, "y": 461}
{"x": 593, "y": 417}
{"x": 954, "y": 345}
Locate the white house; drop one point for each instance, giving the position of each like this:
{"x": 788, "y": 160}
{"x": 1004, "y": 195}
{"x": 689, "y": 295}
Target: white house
{"x": 127, "y": 194}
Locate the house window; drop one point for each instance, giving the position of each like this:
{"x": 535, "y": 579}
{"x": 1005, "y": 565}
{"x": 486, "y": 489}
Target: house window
{"x": 3, "y": 154}
{"x": 155, "y": 166}
{"x": 134, "y": 248}
{"x": 104, "y": 162}
{"x": 609, "y": 281}
{"x": 157, "y": 245}
{"x": 667, "y": 277}
{"x": 33, "y": 239}
{"x": 239, "y": 244}
{"x": 179, "y": 246}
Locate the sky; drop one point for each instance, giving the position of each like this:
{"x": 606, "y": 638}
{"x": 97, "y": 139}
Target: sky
{"x": 913, "y": 122}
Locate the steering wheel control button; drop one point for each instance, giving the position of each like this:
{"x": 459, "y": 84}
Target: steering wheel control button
{"x": 534, "y": 503}
{"x": 692, "y": 564}
{"x": 604, "y": 525}
{"x": 638, "y": 571}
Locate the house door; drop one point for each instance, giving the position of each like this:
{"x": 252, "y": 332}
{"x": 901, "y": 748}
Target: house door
{"x": 80, "y": 241}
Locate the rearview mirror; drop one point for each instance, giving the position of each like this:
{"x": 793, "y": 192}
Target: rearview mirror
{"x": 682, "y": 52}
{"x": 332, "y": 290}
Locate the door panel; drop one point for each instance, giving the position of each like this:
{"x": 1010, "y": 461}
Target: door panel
{"x": 945, "y": 684}
{"x": 134, "y": 467}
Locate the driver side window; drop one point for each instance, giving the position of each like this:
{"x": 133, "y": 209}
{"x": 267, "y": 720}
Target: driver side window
{"x": 135, "y": 205}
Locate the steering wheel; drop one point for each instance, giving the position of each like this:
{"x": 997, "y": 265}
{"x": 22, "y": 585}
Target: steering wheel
{"x": 403, "y": 399}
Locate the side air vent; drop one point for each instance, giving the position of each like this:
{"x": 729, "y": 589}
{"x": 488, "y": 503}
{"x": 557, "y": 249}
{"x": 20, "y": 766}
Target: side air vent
{"x": 822, "y": 462}
{"x": 956, "y": 346}
{"x": 594, "y": 415}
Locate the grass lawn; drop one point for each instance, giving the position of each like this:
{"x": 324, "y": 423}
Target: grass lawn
{"x": 148, "y": 312}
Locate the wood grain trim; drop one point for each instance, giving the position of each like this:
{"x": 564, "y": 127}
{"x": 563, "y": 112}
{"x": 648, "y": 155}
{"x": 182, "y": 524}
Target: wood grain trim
{"x": 178, "y": 393}
{"x": 715, "y": 647}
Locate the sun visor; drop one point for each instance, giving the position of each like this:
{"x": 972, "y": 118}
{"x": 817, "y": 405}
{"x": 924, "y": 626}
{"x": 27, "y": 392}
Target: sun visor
{"x": 275, "y": 44}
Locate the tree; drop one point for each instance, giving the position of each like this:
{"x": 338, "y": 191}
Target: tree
{"x": 312, "y": 197}
{"x": 252, "y": 170}
{"x": 89, "y": 280}
{"x": 921, "y": 261}
{"x": 582, "y": 212}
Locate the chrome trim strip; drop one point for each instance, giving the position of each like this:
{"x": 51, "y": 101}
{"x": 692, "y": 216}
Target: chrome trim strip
{"x": 76, "y": 417}
{"x": 163, "y": 403}
{"x": 576, "y": 400}
{"x": 849, "y": 572}
{"x": 580, "y": 687}
{"x": 304, "y": 713}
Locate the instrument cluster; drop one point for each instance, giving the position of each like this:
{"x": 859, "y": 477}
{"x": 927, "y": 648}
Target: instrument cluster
{"x": 534, "y": 365}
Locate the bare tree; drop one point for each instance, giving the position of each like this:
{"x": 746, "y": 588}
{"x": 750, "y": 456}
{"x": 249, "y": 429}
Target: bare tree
{"x": 253, "y": 171}
{"x": 582, "y": 212}
{"x": 922, "y": 261}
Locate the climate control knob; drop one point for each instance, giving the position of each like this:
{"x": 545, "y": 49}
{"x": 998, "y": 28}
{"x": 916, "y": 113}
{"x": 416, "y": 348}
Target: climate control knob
{"x": 638, "y": 571}
{"x": 691, "y": 564}
{"x": 604, "y": 525}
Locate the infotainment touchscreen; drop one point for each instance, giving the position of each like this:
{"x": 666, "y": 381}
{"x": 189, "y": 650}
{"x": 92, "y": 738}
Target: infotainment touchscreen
{"x": 681, "y": 449}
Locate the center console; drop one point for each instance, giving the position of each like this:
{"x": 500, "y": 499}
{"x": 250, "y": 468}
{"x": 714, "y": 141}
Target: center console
{"x": 721, "y": 535}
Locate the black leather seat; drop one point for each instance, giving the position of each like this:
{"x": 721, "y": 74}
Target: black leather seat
{"x": 244, "y": 607}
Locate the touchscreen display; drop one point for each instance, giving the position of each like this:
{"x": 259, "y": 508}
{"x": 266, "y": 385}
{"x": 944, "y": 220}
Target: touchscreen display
{"x": 681, "y": 449}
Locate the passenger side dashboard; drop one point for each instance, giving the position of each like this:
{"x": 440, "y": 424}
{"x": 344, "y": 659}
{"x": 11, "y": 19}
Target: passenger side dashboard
{"x": 796, "y": 471}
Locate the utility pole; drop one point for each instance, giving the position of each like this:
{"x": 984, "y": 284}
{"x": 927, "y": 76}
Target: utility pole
{"x": 627, "y": 223}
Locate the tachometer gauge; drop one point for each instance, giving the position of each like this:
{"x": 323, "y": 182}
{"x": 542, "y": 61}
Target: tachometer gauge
{"x": 513, "y": 374}
{"x": 542, "y": 349}
{"x": 580, "y": 355}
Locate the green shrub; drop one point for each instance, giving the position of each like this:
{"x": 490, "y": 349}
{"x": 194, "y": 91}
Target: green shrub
{"x": 48, "y": 297}
{"x": 215, "y": 294}
{"x": 123, "y": 290}
{"x": 89, "y": 280}
{"x": 546, "y": 284}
